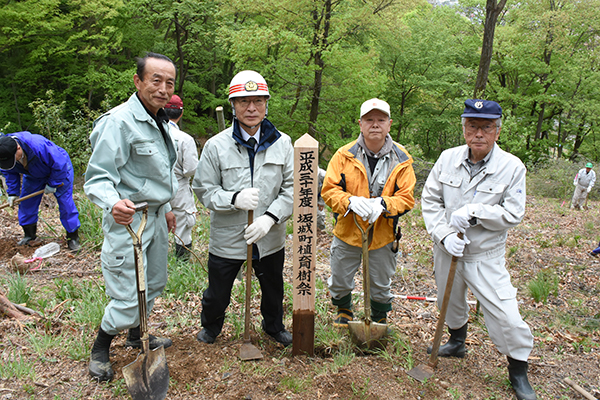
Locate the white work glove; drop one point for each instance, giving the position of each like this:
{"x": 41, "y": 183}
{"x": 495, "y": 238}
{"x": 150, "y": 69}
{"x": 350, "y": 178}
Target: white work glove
{"x": 454, "y": 245}
{"x": 361, "y": 206}
{"x": 258, "y": 229}
{"x": 11, "y": 200}
{"x": 459, "y": 219}
{"x": 49, "y": 189}
{"x": 376, "y": 209}
{"x": 247, "y": 199}
{"x": 589, "y": 189}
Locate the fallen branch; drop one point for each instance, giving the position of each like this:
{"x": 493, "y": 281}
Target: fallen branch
{"x": 58, "y": 305}
{"x": 26, "y": 310}
{"x": 7, "y": 308}
{"x": 579, "y": 389}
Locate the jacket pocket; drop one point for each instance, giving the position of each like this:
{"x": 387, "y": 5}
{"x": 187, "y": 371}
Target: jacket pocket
{"x": 489, "y": 192}
{"x": 148, "y": 162}
{"x": 450, "y": 180}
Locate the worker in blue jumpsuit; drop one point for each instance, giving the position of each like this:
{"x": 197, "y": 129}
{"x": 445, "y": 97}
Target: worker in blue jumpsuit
{"x": 43, "y": 165}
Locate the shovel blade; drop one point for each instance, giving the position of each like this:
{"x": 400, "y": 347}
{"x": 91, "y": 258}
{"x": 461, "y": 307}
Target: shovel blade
{"x": 250, "y": 352}
{"x": 370, "y": 336}
{"x": 421, "y": 372}
{"x": 147, "y": 378}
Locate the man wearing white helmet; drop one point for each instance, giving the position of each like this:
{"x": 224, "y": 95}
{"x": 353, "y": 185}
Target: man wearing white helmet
{"x": 248, "y": 166}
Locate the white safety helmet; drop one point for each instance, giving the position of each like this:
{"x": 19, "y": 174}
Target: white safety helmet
{"x": 248, "y": 83}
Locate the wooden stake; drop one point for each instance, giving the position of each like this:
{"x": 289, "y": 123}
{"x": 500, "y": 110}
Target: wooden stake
{"x": 306, "y": 155}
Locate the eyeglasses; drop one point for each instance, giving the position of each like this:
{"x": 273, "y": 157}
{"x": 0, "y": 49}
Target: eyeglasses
{"x": 245, "y": 102}
{"x": 487, "y": 128}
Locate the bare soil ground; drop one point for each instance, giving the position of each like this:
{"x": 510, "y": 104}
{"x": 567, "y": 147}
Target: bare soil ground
{"x": 551, "y": 238}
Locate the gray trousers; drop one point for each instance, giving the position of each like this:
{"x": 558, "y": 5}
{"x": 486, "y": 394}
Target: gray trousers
{"x": 488, "y": 279}
{"x": 118, "y": 268}
{"x": 345, "y": 261}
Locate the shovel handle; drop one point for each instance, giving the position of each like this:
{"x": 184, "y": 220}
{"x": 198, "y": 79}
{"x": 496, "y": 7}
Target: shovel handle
{"x": 139, "y": 272}
{"x": 248, "y": 283}
{"x": 366, "y": 274}
{"x": 20, "y": 199}
{"x": 433, "y": 358}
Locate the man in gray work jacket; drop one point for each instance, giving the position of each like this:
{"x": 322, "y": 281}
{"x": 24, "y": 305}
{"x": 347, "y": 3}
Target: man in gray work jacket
{"x": 132, "y": 161}
{"x": 248, "y": 166}
{"x": 478, "y": 189}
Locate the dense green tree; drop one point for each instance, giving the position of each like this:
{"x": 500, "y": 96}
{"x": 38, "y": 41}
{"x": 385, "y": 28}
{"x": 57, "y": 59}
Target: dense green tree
{"x": 73, "y": 47}
{"x": 547, "y": 81}
{"x": 429, "y": 56}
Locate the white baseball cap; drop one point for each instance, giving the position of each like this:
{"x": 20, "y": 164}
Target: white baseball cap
{"x": 375, "y": 104}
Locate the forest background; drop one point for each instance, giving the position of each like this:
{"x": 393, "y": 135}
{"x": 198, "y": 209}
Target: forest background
{"x": 64, "y": 62}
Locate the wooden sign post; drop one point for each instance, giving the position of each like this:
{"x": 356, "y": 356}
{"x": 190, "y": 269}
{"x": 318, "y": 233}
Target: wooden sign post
{"x": 306, "y": 155}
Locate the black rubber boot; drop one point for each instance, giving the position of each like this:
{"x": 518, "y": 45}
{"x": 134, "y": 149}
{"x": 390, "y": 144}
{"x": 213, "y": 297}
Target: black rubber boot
{"x": 181, "y": 252}
{"x": 517, "y": 374}
{"x": 73, "y": 240}
{"x": 100, "y": 367}
{"x": 30, "y": 235}
{"x": 379, "y": 311}
{"x": 133, "y": 340}
{"x": 344, "y": 311}
{"x": 455, "y": 346}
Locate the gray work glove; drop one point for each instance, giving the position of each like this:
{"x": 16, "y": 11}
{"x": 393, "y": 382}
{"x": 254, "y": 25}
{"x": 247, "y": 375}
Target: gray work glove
{"x": 247, "y": 199}
{"x": 361, "y": 206}
{"x": 454, "y": 245}
{"x": 49, "y": 189}
{"x": 11, "y": 200}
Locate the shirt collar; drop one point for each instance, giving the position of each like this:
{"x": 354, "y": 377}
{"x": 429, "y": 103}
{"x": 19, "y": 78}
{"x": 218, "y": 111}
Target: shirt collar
{"x": 161, "y": 115}
{"x": 246, "y": 135}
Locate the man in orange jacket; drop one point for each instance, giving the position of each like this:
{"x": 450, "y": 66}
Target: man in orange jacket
{"x": 374, "y": 178}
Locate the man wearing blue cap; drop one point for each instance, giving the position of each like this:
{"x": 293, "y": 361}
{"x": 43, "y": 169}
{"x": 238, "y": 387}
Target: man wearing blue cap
{"x": 478, "y": 190}
{"x": 583, "y": 182}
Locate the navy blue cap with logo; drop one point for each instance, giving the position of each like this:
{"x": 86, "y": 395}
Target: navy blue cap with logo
{"x": 476, "y": 108}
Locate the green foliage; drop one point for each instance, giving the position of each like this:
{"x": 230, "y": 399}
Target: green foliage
{"x": 71, "y": 136}
{"x": 184, "y": 278}
{"x": 544, "y": 284}
{"x": 65, "y": 62}
{"x": 19, "y": 291}
{"x": 13, "y": 365}
{"x": 90, "y": 217}
{"x": 90, "y": 298}
{"x": 552, "y": 178}
{"x": 295, "y": 384}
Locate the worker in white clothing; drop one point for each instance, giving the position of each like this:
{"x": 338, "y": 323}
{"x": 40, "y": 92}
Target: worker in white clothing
{"x": 184, "y": 206}
{"x": 583, "y": 182}
{"x": 478, "y": 189}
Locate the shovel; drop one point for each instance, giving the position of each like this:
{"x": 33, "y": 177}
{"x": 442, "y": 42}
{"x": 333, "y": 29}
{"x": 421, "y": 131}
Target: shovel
{"x": 367, "y": 334}
{"x": 423, "y": 372}
{"x": 20, "y": 199}
{"x": 248, "y": 350}
{"x": 147, "y": 378}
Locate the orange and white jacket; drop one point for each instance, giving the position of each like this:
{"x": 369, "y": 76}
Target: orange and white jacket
{"x": 346, "y": 176}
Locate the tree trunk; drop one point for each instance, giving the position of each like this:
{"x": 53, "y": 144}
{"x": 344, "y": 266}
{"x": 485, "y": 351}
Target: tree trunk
{"x": 492, "y": 11}
{"x": 320, "y": 41}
